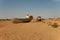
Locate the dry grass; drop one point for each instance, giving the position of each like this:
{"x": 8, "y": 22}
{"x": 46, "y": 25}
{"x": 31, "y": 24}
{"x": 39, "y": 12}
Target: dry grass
{"x": 5, "y": 19}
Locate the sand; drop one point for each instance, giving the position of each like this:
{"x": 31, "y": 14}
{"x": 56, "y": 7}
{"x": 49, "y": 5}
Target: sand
{"x": 29, "y": 31}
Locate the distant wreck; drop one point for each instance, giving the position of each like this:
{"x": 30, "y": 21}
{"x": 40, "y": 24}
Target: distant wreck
{"x": 28, "y": 18}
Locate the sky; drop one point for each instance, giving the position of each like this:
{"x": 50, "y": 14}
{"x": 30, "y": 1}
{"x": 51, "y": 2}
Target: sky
{"x": 19, "y": 8}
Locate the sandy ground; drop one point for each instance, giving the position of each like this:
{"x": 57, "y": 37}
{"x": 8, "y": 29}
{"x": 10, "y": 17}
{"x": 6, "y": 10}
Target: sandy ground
{"x": 29, "y": 31}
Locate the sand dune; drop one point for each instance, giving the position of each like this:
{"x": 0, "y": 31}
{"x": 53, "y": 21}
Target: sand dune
{"x": 29, "y": 31}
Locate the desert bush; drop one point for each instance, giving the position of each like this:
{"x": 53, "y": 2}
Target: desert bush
{"x": 55, "y": 25}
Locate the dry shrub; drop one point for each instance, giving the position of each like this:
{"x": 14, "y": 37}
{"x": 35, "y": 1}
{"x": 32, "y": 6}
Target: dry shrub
{"x": 8, "y": 19}
{"x": 3, "y": 19}
{"x": 0, "y": 20}
{"x": 55, "y": 25}
{"x": 57, "y": 19}
{"x": 50, "y": 18}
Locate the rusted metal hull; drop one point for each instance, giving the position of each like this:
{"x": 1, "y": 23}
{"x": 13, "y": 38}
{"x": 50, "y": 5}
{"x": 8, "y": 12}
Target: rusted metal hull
{"x": 21, "y": 20}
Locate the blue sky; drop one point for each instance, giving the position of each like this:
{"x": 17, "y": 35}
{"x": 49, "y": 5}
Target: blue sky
{"x": 19, "y": 8}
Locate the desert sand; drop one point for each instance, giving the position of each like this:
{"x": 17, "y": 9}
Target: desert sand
{"x": 29, "y": 31}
